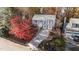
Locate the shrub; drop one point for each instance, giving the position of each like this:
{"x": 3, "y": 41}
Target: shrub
{"x": 4, "y": 31}
{"x": 57, "y": 44}
{"x": 23, "y": 29}
{"x": 5, "y": 16}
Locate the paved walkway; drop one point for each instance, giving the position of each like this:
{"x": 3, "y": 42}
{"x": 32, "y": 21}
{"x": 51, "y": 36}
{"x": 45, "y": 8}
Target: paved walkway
{"x": 6, "y": 45}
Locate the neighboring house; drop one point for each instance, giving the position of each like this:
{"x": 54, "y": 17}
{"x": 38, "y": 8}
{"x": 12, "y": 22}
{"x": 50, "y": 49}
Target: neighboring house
{"x": 73, "y": 27}
{"x": 72, "y": 33}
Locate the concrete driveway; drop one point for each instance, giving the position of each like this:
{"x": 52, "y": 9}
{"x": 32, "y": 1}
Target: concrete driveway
{"x": 6, "y": 45}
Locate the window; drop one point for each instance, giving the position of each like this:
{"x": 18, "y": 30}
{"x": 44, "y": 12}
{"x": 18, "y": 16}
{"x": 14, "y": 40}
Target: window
{"x": 75, "y": 25}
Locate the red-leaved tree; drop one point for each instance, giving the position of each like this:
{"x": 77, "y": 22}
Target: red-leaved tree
{"x": 23, "y": 29}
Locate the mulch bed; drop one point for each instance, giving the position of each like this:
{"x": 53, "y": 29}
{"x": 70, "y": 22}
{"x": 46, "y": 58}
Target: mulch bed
{"x": 16, "y": 40}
